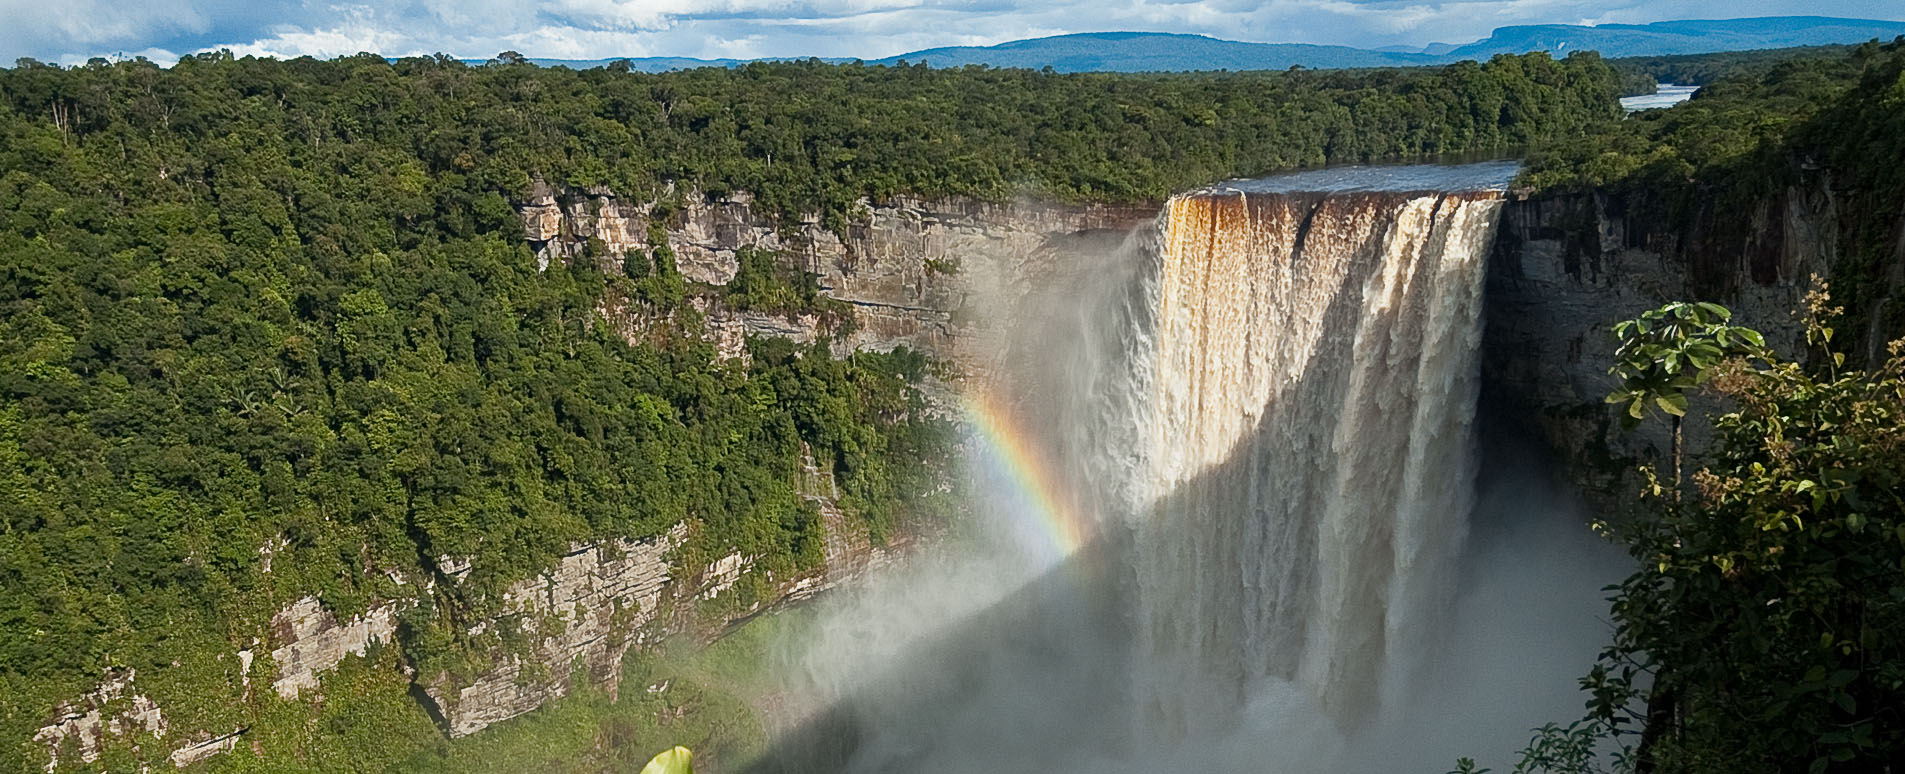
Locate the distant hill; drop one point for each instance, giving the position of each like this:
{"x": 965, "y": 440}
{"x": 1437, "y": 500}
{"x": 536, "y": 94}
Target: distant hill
{"x": 662, "y": 64}
{"x": 1150, "y": 51}
{"x": 1679, "y": 37}
{"x": 1157, "y": 51}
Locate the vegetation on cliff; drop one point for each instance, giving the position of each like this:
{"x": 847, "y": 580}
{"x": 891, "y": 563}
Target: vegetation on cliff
{"x": 270, "y": 329}
{"x": 240, "y": 364}
{"x": 1764, "y": 628}
{"x": 1700, "y": 172}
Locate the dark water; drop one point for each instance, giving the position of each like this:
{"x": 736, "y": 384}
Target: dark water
{"x": 1451, "y": 178}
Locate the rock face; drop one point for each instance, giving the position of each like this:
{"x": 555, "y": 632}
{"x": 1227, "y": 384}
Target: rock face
{"x": 926, "y": 274}
{"x": 311, "y": 640}
{"x": 1567, "y": 268}
{"x": 584, "y": 614}
{"x": 198, "y": 751}
{"x": 114, "y": 709}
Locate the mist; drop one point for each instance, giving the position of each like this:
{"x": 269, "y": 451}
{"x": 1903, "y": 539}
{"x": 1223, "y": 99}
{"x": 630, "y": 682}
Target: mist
{"x": 1347, "y": 570}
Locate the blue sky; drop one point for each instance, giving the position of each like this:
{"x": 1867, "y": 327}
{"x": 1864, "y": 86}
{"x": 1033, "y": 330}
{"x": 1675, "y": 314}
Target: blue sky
{"x": 71, "y": 31}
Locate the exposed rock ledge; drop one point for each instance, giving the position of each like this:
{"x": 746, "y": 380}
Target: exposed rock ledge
{"x": 312, "y": 640}
{"x": 933, "y": 275}
{"x": 112, "y": 710}
{"x": 594, "y": 604}
{"x": 584, "y": 613}
{"x": 927, "y": 274}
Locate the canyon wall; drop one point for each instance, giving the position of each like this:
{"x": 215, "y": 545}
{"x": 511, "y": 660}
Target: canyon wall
{"x": 937, "y": 276}
{"x": 932, "y": 275}
{"x": 927, "y": 274}
{"x": 1566, "y": 268}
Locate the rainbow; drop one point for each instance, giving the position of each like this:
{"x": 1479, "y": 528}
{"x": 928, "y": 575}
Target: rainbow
{"x": 1048, "y": 508}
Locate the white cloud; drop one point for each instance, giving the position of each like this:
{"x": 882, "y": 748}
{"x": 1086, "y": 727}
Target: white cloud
{"x": 96, "y": 27}
{"x": 342, "y": 40}
{"x": 596, "y": 29}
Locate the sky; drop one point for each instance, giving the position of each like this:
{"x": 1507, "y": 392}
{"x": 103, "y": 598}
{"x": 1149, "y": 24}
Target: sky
{"x": 72, "y": 31}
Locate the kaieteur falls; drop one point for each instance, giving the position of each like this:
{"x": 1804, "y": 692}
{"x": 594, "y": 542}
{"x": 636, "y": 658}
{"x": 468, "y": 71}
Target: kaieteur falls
{"x": 1232, "y": 474}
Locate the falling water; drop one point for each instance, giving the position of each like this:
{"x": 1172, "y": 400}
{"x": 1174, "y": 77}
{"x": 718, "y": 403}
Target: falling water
{"x": 1264, "y": 405}
{"x": 1309, "y": 462}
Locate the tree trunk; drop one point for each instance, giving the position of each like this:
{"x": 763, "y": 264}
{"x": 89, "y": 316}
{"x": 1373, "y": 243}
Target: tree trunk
{"x": 1661, "y": 704}
{"x": 1678, "y": 455}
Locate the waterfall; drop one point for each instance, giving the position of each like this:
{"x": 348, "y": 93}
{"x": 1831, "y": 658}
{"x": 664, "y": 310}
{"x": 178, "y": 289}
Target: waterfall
{"x": 1264, "y": 405}
{"x": 1308, "y": 471}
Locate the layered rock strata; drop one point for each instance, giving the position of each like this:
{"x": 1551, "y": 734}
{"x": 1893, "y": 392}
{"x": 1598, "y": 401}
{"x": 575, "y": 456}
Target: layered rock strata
{"x": 1565, "y": 269}
{"x": 926, "y": 274}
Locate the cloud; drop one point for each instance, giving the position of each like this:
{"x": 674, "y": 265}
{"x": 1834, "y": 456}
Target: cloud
{"x": 91, "y": 25}
{"x": 597, "y": 29}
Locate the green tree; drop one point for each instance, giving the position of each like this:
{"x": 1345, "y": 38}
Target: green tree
{"x": 1665, "y": 352}
{"x": 1766, "y": 623}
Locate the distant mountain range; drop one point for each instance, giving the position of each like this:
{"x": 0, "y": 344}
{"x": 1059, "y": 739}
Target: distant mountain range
{"x": 1156, "y": 51}
{"x": 1679, "y": 37}
{"x": 1153, "y": 51}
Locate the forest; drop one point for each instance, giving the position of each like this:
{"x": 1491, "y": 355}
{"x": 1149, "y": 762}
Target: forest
{"x": 1643, "y": 74}
{"x": 270, "y": 329}
{"x": 1698, "y": 172}
{"x": 1760, "y": 628}
{"x": 807, "y": 137}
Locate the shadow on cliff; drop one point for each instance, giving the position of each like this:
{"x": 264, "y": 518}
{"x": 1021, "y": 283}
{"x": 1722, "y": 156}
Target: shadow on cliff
{"x": 1036, "y": 682}
{"x": 1044, "y": 680}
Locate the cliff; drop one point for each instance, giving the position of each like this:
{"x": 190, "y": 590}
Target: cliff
{"x": 938, "y": 276}
{"x": 1566, "y": 268}
{"x": 584, "y": 613}
{"x": 929, "y": 275}
{"x": 926, "y": 274}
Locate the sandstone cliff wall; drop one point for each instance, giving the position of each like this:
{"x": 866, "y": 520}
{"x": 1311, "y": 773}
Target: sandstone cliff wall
{"x": 932, "y": 275}
{"x": 1567, "y": 268}
{"x": 583, "y": 614}
{"x": 939, "y": 276}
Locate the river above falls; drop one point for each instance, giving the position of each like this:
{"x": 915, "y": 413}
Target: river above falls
{"x": 1667, "y": 95}
{"x": 1477, "y": 176}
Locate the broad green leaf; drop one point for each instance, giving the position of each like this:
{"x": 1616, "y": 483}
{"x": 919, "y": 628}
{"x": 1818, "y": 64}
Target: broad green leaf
{"x": 1674, "y": 403}
{"x": 675, "y": 761}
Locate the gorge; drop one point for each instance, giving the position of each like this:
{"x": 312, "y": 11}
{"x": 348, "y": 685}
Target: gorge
{"x": 1320, "y": 341}
{"x": 439, "y": 458}
{"x": 1253, "y": 444}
